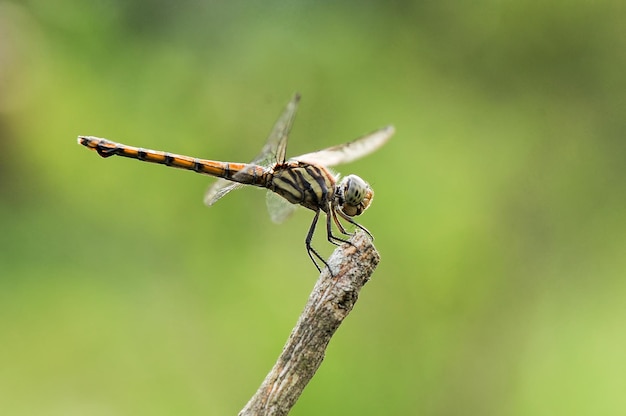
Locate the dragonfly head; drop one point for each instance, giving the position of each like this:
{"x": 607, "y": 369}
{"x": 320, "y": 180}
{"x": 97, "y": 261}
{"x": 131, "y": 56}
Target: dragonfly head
{"x": 353, "y": 195}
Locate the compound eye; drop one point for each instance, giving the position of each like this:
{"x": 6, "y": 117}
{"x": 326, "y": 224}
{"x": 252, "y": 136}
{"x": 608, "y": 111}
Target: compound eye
{"x": 355, "y": 191}
{"x": 354, "y": 195}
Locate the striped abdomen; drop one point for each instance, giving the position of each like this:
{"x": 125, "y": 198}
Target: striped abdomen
{"x": 311, "y": 186}
{"x": 238, "y": 172}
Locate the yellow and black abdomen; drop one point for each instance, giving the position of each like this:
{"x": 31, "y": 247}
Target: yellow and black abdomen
{"x": 237, "y": 172}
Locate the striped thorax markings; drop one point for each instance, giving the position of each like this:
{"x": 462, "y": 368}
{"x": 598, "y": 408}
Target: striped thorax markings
{"x": 238, "y": 172}
{"x": 311, "y": 186}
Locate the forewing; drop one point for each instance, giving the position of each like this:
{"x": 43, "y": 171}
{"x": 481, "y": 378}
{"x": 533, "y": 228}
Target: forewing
{"x": 273, "y": 151}
{"x": 276, "y": 144}
{"x": 278, "y": 207}
{"x": 350, "y": 151}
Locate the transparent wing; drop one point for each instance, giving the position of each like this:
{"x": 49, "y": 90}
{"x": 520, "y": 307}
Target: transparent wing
{"x": 273, "y": 151}
{"x": 278, "y": 207}
{"x": 350, "y": 151}
{"x": 219, "y": 188}
{"x": 276, "y": 144}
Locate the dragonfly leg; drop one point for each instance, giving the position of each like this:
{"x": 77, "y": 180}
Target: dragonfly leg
{"x": 339, "y": 224}
{"x": 329, "y": 229}
{"x": 351, "y": 221}
{"x": 310, "y": 250}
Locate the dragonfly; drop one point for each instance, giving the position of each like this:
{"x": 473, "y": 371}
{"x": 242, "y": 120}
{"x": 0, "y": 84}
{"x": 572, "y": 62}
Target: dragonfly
{"x": 305, "y": 180}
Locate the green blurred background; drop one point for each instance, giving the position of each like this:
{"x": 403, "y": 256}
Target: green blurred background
{"x": 499, "y": 212}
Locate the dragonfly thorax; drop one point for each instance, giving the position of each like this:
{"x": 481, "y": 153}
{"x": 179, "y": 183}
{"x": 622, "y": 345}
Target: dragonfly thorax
{"x": 353, "y": 195}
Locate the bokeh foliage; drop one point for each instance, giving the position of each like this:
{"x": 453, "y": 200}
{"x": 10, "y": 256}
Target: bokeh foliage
{"x": 499, "y": 212}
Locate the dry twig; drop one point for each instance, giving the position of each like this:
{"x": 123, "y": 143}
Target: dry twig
{"x": 332, "y": 299}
